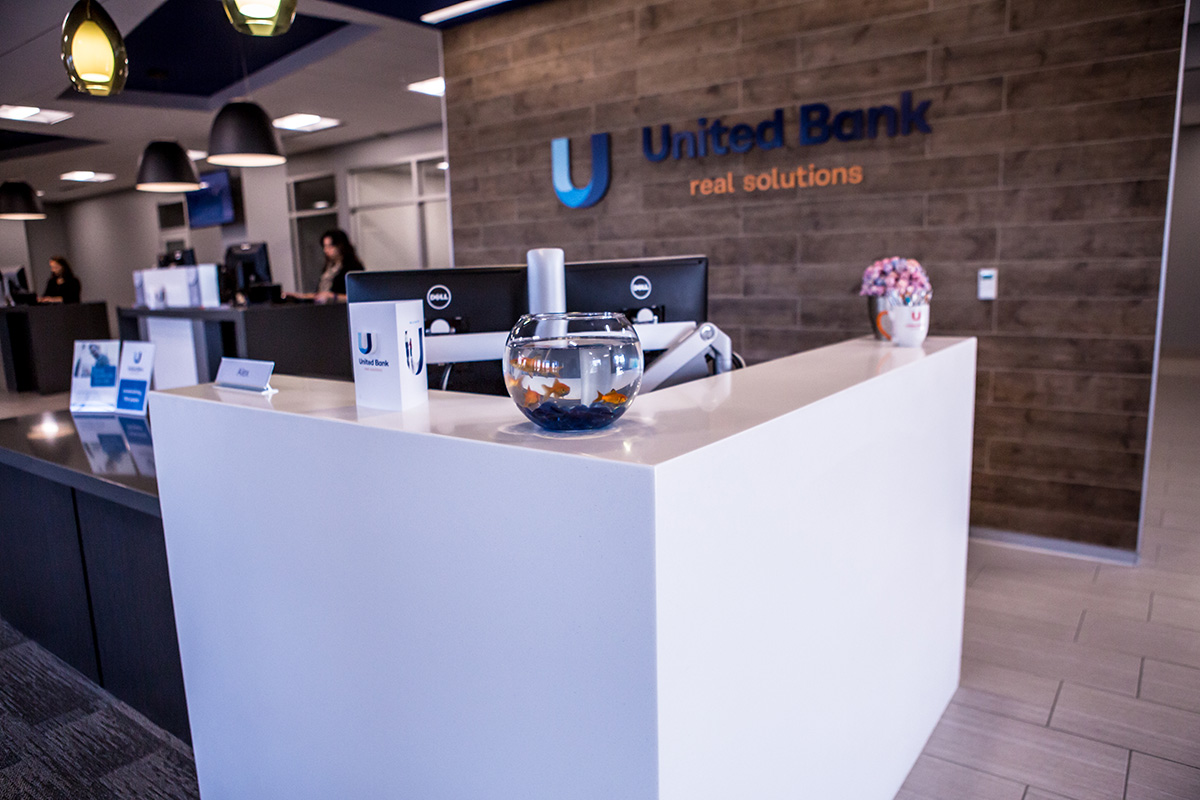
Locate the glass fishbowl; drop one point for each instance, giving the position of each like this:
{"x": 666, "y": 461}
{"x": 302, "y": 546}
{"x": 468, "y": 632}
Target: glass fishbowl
{"x": 573, "y": 371}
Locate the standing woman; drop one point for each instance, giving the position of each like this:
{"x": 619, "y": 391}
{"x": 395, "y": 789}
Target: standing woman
{"x": 63, "y": 286}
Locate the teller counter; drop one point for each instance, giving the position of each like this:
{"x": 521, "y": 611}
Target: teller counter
{"x": 301, "y": 338}
{"x": 750, "y": 585}
{"x": 37, "y": 342}
{"x": 83, "y": 569}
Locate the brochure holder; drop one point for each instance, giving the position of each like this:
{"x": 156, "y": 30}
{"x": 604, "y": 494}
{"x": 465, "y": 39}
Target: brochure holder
{"x": 133, "y": 379}
{"x": 94, "y": 376}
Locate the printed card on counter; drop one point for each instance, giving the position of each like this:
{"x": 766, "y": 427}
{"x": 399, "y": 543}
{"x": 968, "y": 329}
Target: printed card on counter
{"x": 388, "y": 348}
{"x": 94, "y": 376}
{"x": 133, "y": 379}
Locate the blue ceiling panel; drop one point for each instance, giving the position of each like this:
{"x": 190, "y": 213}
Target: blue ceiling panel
{"x": 188, "y": 47}
{"x": 18, "y": 144}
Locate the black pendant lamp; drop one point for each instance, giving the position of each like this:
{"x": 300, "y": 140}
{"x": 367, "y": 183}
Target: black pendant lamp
{"x": 93, "y": 51}
{"x": 261, "y": 17}
{"x": 165, "y": 167}
{"x": 18, "y": 200}
{"x": 242, "y": 136}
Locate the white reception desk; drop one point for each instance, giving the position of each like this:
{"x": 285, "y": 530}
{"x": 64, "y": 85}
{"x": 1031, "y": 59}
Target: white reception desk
{"x": 750, "y": 587}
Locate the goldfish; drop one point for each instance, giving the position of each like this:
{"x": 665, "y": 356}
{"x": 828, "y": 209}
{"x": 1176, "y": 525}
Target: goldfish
{"x": 614, "y": 398}
{"x": 532, "y": 398}
{"x": 557, "y": 389}
{"x": 536, "y": 366}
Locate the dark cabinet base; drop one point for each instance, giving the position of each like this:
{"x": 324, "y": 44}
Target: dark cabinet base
{"x": 87, "y": 579}
{"x": 134, "y": 619}
{"x": 43, "y": 586}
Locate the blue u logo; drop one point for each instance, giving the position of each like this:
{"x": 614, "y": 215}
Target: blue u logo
{"x": 366, "y": 343}
{"x": 564, "y": 187}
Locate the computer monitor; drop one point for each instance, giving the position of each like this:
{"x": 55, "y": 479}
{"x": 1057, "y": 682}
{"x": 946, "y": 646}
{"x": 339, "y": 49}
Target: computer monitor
{"x": 456, "y": 300}
{"x": 12, "y": 283}
{"x": 178, "y": 258}
{"x": 666, "y": 289}
{"x": 246, "y": 265}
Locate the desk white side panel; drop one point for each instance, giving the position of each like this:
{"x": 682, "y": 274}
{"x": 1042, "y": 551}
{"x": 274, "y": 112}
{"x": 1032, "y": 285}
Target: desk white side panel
{"x": 174, "y": 352}
{"x": 811, "y": 577}
{"x": 467, "y": 621}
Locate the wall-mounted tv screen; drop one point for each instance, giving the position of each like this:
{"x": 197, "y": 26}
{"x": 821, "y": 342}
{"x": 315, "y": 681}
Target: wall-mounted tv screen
{"x": 214, "y": 203}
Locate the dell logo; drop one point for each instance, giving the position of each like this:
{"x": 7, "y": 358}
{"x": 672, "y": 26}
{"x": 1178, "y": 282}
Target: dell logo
{"x": 438, "y": 297}
{"x": 640, "y": 287}
{"x": 366, "y": 343}
{"x": 560, "y": 169}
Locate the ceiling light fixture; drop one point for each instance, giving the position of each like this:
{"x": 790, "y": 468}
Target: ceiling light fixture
{"x": 458, "y": 10}
{"x": 19, "y": 201}
{"x": 87, "y": 176}
{"x": 165, "y": 167}
{"x": 443, "y": 165}
{"x": 435, "y": 87}
{"x": 306, "y": 123}
{"x": 33, "y": 114}
{"x": 197, "y": 155}
{"x": 242, "y": 136}
{"x": 93, "y": 51}
{"x": 260, "y": 17}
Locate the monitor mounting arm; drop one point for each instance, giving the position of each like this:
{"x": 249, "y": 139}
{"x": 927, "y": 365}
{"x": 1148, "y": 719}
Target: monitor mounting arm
{"x": 687, "y": 357}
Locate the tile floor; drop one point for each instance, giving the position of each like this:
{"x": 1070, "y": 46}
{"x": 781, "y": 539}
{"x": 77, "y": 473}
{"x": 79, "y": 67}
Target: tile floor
{"x": 1080, "y": 681}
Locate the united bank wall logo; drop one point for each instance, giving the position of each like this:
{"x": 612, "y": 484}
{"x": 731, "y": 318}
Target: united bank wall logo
{"x": 366, "y": 343}
{"x": 818, "y": 123}
{"x": 560, "y": 165}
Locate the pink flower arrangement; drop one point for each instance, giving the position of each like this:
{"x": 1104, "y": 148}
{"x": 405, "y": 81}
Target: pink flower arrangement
{"x": 903, "y": 276}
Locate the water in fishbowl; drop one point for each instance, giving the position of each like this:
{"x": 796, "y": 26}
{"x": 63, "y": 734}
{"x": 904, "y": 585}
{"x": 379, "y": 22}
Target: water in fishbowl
{"x": 574, "y": 383}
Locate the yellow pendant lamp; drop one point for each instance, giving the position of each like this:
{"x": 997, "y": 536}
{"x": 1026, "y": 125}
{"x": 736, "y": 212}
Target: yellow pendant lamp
{"x": 261, "y": 17}
{"x": 93, "y": 51}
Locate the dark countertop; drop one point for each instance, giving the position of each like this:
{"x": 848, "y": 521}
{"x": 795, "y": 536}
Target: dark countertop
{"x": 101, "y": 454}
{"x": 231, "y": 312}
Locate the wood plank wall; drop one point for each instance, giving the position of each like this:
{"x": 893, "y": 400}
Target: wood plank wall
{"x": 1048, "y": 159}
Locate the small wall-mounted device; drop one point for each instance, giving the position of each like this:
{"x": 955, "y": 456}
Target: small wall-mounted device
{"x": 989, "y": 278}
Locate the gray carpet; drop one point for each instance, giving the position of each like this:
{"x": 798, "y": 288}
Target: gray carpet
{"x": 61, "y": 736}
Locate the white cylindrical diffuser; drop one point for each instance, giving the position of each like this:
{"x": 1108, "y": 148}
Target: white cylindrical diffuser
{"x": 547, "y": 281}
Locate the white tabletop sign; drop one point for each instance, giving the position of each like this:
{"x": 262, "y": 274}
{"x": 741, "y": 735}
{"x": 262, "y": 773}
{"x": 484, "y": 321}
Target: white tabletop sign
{"x": 94, "y": 376}
{"x": 246, "y": 373}
{"x": 133, "y": 378}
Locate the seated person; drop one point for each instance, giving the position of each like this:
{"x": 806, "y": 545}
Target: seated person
{"x": 63, "y": 286}
{"x": 340, "y": 258}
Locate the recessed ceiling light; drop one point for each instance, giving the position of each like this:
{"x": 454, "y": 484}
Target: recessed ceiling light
{"x": 87, "y": 176}
{"x": 33, "y": 114}
{"x": 458, "y": 9}
{"x": 305, "y": 122}
{"x": 197, "y": 155}
{"x": 435, "y": 87}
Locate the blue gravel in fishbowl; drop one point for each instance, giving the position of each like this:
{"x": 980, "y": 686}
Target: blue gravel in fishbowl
{"x": 573, "y": 372}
